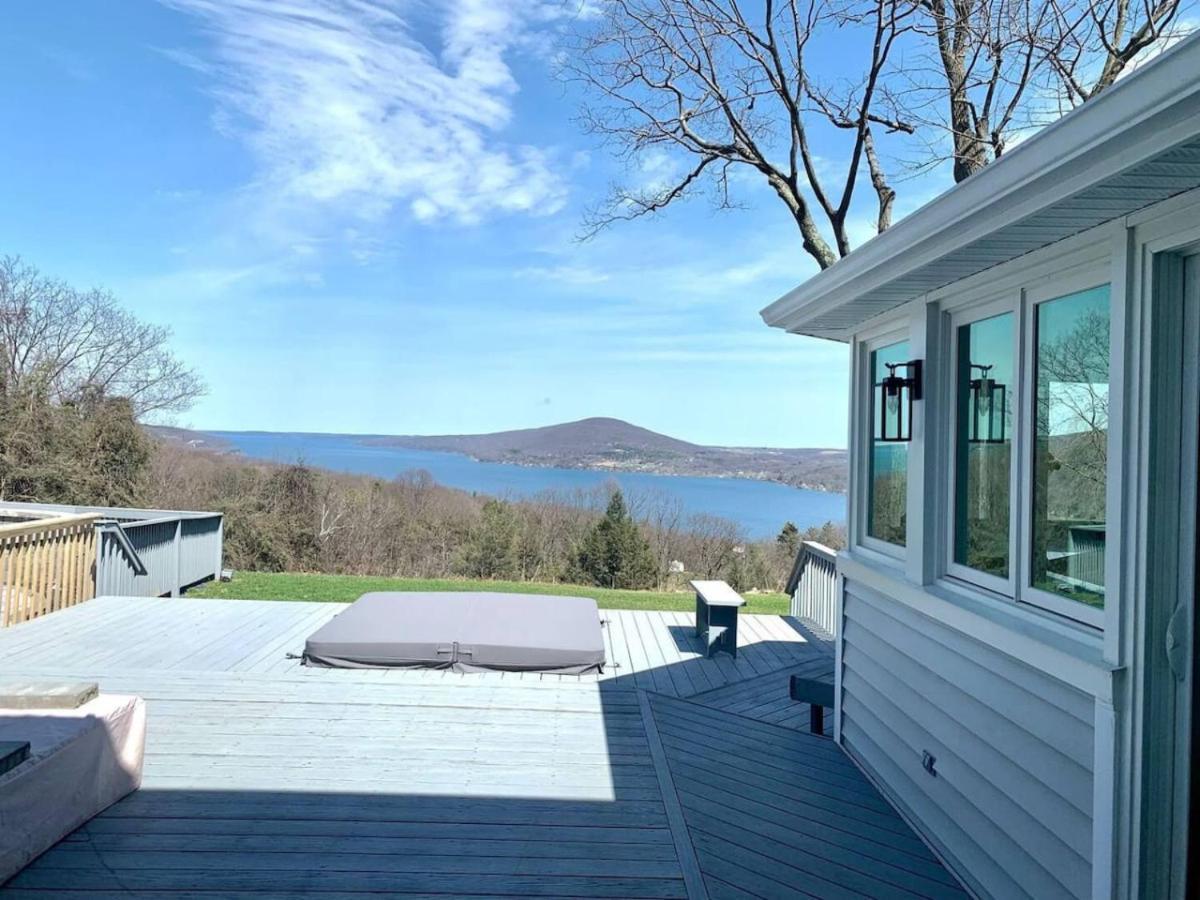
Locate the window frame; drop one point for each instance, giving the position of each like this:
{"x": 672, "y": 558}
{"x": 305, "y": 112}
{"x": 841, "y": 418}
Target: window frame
{"x": 1010, "y": 302}
{"x": 894, "y": 333}
{"x": 1090, "y": 265}
{"x": 1063, "y": 285}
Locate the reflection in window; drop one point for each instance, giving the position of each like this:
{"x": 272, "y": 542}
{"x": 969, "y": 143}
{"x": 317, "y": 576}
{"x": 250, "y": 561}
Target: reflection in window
{"x": 887, "y": 488}
{"x": 983, "y": 444}
{"x": 1070, "y": 454}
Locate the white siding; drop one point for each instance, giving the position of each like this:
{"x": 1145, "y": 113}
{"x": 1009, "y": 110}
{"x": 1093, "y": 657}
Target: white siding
{"x": 1010, "y": 806}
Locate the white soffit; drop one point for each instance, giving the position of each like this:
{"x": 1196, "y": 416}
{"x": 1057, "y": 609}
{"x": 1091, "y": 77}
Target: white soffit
{"x": 1134, "y": 145}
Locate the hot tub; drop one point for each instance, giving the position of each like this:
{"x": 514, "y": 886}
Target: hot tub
{"x": 467, "y": 632}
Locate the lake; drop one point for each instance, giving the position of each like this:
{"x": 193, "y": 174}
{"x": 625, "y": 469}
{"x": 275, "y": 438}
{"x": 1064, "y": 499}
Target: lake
{"x": 760, "y": 507}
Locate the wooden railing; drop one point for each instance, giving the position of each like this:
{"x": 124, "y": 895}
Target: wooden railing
{"x": 45, "y": 565}
{"x": 815, "y": 590}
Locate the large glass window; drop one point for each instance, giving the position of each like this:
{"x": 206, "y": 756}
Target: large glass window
{"x": 887, "y": 490}
{"x": 983, "y": 444}
{"x": 1070, "y": 452}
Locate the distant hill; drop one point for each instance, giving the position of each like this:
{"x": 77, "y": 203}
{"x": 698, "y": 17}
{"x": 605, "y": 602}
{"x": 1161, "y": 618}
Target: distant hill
{"x": 587, "y": 437}
{"x": 605, "y": 444}
{"x": 200, "y": 440}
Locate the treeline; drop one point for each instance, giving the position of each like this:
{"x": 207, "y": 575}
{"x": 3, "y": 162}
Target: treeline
{"x": 300, "y": 518}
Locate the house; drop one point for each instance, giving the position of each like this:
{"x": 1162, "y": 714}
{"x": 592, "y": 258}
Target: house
{"x": 1017, "y": 611}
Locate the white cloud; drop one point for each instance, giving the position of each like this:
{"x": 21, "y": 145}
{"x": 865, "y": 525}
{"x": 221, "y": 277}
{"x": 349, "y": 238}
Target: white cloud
{"x": 576, "y": 276}
{"x": 349, "y": 114}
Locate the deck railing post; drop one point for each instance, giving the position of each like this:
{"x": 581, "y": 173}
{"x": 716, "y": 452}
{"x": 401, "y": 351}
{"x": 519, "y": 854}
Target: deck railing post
{"x": 178, "y": 554}
{"x": 220, "y": 545}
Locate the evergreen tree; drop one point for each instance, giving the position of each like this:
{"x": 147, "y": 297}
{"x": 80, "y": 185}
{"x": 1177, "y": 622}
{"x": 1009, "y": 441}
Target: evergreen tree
{"x": 789, "y": 538}
{"x": 614, "y": 553}
{"x": 491, "y": 547}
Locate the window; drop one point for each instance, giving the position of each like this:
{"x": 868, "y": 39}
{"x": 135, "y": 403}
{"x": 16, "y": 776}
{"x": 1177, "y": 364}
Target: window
{"x": 984, "y": 386}
{"x": 1070, "y": 446}
{"x": 887, "y": 481}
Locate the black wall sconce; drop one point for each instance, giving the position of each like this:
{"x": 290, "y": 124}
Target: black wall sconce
{"x": 896, "y": 397}
{"x": 987, "y": 407}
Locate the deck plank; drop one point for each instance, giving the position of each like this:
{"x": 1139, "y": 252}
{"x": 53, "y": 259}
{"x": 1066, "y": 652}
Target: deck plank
{"x": 264, "y": 778}
{"x": 818, "y": 831}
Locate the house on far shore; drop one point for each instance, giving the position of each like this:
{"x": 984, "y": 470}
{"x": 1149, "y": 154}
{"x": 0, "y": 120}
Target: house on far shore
{"x": 1017, "y": 612}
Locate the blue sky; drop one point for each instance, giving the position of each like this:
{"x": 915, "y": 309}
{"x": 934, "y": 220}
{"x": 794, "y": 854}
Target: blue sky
{"x": 364, "y": 220}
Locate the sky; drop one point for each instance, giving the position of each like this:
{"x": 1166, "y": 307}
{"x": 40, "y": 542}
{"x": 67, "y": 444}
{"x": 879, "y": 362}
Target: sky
{"x": 361, "y": 217}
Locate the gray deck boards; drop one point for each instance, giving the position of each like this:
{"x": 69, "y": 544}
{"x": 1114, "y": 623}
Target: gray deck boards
{"x": 756, "y": 832}
{"x": 766, "y": 697}
{"x": 266, "y": 779}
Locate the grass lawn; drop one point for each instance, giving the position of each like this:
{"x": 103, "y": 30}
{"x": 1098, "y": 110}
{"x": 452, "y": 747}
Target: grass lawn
{"x": 347, "y": 588}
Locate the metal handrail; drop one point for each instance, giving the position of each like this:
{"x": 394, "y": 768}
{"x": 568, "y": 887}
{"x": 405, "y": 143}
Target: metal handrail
{"x": 118, "y": 531}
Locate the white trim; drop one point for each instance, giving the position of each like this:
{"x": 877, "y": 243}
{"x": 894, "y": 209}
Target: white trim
{"x": 1166, "y": 216}
{"x": 839, "y": 638}
{"x": 1151, "y": 111}
{"x": 1120, "y": 376}
{"x": 854, "y": 463}
{"x": 925, "y": 461}
{"x": 1087, "y": 249}
{"x": 1104, "y": 764}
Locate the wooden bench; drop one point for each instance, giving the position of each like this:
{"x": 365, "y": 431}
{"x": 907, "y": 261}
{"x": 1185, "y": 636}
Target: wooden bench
{"x": 818, "y": 693}
{"x": 717, "y": 607}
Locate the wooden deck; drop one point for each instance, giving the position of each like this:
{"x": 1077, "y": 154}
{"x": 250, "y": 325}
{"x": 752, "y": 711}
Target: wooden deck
{"x": 266, "y": 779}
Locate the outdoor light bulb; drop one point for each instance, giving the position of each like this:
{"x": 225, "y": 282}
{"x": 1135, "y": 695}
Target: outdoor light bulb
{"x": 985, "y": 399}
{"x": 893, "y": 403}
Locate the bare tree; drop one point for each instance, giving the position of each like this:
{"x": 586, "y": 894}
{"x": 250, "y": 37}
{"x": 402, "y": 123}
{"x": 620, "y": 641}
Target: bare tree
{"x": 710, "y": 543}
{"x": 1006, "y": 66}
{"x": 697, "y": 90}
{"x": 1091, "y": 44}
{"x": 77, "y": 341}
{"x": 984, "y": 56}
{"x": 661, "y": 516}
{"x": 728, "y": 91}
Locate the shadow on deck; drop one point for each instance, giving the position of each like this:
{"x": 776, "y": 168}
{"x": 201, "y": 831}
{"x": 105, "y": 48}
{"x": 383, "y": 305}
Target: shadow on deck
{"x": 289, "y": 787}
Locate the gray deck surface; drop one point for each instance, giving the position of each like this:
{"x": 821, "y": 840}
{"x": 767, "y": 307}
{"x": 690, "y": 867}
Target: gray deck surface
{"x": 264, "y": 779}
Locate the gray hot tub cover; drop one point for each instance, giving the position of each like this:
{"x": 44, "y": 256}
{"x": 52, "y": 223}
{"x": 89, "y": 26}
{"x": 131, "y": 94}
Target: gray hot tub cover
{"x": 463, "y": 631}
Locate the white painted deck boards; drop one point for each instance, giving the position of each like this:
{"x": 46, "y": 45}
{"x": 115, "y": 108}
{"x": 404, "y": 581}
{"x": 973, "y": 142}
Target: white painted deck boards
{"x": 267, "y": 779}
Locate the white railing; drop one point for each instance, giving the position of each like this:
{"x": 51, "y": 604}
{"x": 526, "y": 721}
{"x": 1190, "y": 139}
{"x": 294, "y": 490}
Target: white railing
{"x": 814, "y": 586}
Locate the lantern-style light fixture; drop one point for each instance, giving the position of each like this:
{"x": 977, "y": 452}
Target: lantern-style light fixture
{"x": 895, "y": 401}
{"x": 988, "y": 402}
